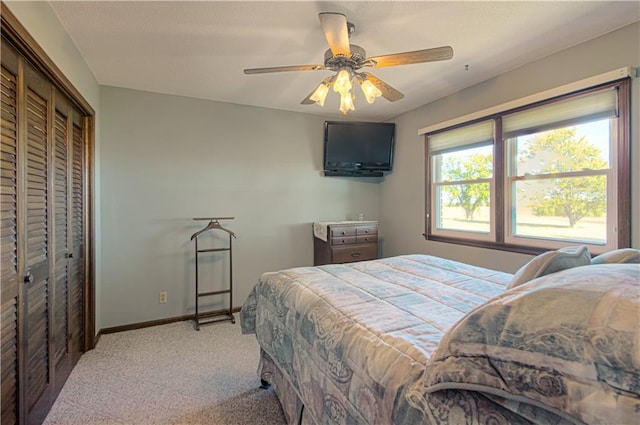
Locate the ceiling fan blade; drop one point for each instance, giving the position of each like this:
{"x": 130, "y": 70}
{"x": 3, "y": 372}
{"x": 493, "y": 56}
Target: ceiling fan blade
{"x": 388, "y": 92}
{"x": 307, "y": 100}
{"x": 335, "y": 30}
{"x": 416, "y": 56}
{"x": 284, "y": 68}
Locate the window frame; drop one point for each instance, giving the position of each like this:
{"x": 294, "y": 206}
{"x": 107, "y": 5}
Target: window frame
{"x": 618, "y": 183}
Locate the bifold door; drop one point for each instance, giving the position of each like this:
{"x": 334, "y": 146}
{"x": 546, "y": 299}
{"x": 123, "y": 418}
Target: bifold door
{"x": 42, "y": 223}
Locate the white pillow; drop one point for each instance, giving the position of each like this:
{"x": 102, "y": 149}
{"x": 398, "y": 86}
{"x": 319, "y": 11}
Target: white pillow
{"x": 551, "y": 262}
{"x": 624, "y": 255}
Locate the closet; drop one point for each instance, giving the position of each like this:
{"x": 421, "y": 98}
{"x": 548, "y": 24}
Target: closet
{"x": 43, "y": 232}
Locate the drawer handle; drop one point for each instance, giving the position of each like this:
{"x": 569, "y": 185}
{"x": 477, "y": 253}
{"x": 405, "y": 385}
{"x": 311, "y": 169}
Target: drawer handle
{"x": 355, "y": 254}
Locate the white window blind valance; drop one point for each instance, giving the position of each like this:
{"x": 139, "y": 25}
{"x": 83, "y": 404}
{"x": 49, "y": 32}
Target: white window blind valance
{"x": 469, "y": 135}
{"x": 592, "y": 106}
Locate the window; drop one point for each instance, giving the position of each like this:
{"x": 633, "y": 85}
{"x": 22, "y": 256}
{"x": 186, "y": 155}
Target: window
{"x": 462, "y": 175}
{"x": 539, "y": 177}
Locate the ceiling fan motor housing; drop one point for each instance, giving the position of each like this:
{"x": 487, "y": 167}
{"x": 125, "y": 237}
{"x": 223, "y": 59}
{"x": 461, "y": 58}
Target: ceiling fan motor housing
{"x": 354, "y": 61}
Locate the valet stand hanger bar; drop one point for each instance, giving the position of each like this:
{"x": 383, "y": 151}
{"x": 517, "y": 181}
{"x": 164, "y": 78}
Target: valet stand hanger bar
{"x": 203, "y": 318}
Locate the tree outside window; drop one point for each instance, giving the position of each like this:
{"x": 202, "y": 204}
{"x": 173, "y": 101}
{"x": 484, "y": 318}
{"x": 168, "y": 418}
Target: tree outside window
{"x": 562, "y": 151}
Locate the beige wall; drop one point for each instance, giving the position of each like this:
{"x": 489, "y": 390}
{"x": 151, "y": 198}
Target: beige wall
{"x": 402, "y": 193}
{"x": 43, "y": 25}
{"x": 167, "y": 159}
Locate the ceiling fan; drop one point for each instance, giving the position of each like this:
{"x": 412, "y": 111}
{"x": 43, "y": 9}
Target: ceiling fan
{"x": 346, "y": 59}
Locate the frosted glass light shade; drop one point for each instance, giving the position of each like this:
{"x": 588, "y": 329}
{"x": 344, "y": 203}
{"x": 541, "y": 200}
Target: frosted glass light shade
{"x": 343, "y": 82}
{"x": 320, "y": 94}
{"x": 346, "y": 103}
{"x": 370, "y": 91}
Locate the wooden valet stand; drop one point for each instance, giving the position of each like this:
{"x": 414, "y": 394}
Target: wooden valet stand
{"x": 203, "y": 318}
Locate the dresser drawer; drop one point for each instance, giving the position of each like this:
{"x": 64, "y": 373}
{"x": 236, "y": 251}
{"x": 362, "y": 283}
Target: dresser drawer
{"x": 351, "y": 253}
{"x": 367, "y": 239}
{"x": 343, "y": 240}
{"x": 366, "y": 230}
{"x": 340, "y": 231}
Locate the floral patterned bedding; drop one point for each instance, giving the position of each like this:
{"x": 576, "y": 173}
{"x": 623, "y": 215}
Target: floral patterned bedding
{"x": 348, "y": 337}
{"x": 375, "y": 343}
{"x": 569, "y": 342}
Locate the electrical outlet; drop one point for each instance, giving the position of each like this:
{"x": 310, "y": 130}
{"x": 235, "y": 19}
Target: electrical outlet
{"x": 163, "y": 297}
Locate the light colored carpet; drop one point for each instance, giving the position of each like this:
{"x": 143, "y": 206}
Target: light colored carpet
{"x": 169, "y": 374}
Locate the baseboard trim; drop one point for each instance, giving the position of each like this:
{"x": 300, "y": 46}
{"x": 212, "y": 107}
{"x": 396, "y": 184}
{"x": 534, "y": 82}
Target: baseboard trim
{"x": 96, "y": 339}
{"x": 166, "y": 321}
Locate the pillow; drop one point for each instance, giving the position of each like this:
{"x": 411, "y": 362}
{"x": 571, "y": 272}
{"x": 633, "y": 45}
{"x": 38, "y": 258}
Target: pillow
{"x": 551, "y": 262}
{"x": 625, "y": 255}
{"x": 567, "y": 342}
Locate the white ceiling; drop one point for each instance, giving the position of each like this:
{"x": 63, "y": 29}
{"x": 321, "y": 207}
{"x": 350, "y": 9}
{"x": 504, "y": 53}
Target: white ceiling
{"x": 199, "y": 49}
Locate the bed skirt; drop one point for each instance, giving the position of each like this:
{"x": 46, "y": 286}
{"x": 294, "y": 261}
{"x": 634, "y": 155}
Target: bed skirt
{"x": 292, "y": 406}
{"x": 448, "y": 407}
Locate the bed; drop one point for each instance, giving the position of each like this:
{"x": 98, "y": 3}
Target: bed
{"x": 418, "y": 339}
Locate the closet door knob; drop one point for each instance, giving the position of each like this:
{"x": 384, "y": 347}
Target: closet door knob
{"x": 28, "y": 278}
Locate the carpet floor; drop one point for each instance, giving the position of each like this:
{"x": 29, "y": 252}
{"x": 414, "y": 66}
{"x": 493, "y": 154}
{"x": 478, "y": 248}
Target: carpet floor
{"x": 169, "y": 374}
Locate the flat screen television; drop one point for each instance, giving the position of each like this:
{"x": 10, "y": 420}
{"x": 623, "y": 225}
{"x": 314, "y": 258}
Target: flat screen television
{"x": 358, "y": 148}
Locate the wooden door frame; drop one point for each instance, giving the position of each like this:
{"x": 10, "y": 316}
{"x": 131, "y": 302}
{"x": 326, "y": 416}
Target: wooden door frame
{"x": 26, "y": 45}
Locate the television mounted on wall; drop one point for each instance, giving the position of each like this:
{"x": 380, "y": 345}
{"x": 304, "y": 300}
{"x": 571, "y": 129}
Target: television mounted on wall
{"x": 359, "y": 149}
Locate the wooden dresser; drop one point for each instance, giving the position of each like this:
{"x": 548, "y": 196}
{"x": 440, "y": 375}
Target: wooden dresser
{"x": 346, "y": 242}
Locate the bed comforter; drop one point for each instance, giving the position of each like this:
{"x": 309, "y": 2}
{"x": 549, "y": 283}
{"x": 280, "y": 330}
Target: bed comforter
{"x": 423, "y": 340}
{"x": 348, "y": 338}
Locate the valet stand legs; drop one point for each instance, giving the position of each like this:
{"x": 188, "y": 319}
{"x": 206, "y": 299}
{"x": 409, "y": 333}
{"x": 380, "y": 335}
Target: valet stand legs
{"x": 205, "y": 318}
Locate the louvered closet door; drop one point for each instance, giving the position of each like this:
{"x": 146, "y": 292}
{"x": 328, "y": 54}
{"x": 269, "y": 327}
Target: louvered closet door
{"x": 76, "y": 239}
{"x": 8, "y": 235}
{"x": 60, "y": 301}
{"x": 37, "y": 248}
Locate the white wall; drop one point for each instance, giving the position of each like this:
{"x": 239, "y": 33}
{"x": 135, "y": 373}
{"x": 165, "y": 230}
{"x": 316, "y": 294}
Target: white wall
{"x": 402, "y": 206}
{"x": 167, "y": 159}
{"x": 43, "y": 25}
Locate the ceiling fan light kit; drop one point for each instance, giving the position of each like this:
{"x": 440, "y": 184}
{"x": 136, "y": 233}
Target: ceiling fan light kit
{"x": 345, "y": 59}
{"x": 343, "y": 86}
